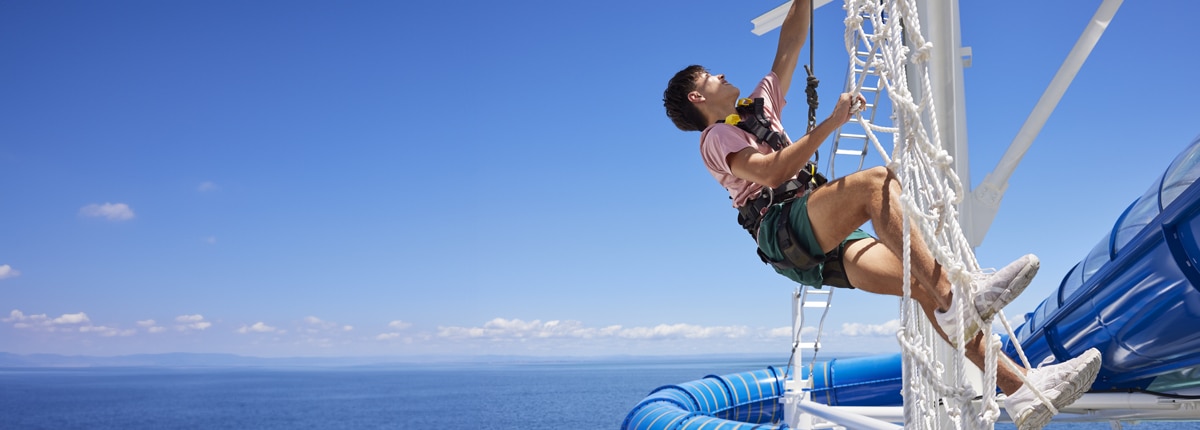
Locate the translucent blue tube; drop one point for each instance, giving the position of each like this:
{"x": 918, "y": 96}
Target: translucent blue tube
{"x": 1135, "y": 296}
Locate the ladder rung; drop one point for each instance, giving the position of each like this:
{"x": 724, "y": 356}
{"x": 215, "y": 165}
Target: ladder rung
{"x": 816, "y": 304}
{"x": 852, "y": 136}
{"x": 850, "y": 152}
{"x": 816, "y": 291}
{"x": 808, "y": 345}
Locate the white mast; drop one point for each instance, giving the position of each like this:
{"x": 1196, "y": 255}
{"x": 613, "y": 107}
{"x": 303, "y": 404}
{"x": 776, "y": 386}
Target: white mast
{"x": 940, "y": 19}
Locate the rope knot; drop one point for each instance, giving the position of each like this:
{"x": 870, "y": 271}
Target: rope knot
{"x": 923, "y": 53}
{"x": 811, "y": 92}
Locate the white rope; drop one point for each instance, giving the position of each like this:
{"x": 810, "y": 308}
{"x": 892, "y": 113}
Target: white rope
{"x": 937, "y": 394}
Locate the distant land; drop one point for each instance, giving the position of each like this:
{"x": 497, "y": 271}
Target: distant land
{"x": 10, "y": 360}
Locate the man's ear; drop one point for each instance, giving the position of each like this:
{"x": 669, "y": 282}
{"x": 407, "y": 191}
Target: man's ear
{"x": 695, "y": 97}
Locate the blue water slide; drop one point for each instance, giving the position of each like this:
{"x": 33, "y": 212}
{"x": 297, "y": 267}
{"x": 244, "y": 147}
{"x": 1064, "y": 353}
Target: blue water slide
{"x": 740, "y": 401}
{"x": 858, "y": 381}
{"x": 1136, "y": 295}
{"x": 750, "y": 400}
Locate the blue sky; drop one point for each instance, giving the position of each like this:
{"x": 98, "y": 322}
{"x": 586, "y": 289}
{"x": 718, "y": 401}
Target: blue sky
{"x": 423, "y": 178}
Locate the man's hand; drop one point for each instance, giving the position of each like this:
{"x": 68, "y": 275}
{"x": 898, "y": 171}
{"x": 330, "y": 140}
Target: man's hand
{"x": 791, "y": 38}
{"x": 847, "y": 105}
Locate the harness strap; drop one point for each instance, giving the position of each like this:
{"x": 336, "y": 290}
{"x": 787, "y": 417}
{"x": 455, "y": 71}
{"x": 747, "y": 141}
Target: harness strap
{"x": 834, "y": 271}
{"x": 794, "y": 256}
{"x": 751, "y": 117}
{"x": 750, "y": 213}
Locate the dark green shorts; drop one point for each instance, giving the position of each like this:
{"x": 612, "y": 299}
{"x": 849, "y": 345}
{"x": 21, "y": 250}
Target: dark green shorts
{"x": 802, "y": 227}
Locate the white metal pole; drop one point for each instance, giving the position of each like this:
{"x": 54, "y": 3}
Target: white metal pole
{"x": 986, "y": 198}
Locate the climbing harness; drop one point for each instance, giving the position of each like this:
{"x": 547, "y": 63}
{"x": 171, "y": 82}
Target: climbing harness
{"x": 751, "y": 118}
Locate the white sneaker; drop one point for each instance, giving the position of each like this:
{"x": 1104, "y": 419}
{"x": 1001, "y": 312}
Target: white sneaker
{"x": 1062, "y": 384}
{"x": 994, "y": 293}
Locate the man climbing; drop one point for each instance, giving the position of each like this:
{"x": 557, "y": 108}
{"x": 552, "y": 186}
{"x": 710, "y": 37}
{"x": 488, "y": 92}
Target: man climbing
{"x": 811, "y": 233}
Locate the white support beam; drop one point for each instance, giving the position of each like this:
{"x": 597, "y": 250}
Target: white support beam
{"x": 940, "y": 23}
{"x": 773, "y": 19}
{"x": 984, "y": 201}
{"x": 845, "y": 418}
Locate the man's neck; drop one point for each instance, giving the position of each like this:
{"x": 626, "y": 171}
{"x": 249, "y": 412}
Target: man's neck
{"x": 719, "y": 114}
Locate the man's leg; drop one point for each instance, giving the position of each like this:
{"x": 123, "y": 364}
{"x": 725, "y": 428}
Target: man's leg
{"x": 839, "y": 207}
{"x": 845, "y": 204}
{"x": 874, "y": 269}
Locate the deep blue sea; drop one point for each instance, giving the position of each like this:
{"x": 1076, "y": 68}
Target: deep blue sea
{"x": 502, "y": 396}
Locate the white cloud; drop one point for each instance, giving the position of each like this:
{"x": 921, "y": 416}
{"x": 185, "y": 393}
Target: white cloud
{"x": 396, "y": 326}
{"x": 317, "y": 325}
{"x": 192, "y": 322}
{"x": 15, "y": 315}
{"x": 206, "y": 186}
{"x": 151, "y": 326}
{"x": 80, "y": 321}
{"x": 889, "y": 328}
{"x": 258, "y": 327}
{"x": 7, "y": 271}
{"x": 106, "y": 331}
{"x": 78, "y": 318}
{"x": 501, "y": 328}
{"x": 109, "y": 211}
{"x": 22, "y": 321}
{"x": 686, "y": 331}
{"x": 786, "y": 332}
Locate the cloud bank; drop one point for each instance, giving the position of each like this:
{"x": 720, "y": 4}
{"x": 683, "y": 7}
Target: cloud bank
{"x": 108, "y": 211}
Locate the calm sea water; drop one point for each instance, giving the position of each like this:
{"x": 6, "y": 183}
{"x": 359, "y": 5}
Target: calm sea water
{"x": 469, "y": 396}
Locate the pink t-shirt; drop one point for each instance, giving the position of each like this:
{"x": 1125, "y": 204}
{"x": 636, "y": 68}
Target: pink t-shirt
{"x": 720, "y": 140}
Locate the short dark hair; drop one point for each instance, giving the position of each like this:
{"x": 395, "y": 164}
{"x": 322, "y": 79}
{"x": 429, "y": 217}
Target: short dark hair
{"x": 682, "y": 111}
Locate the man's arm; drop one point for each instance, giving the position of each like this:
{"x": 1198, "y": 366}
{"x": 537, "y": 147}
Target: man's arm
{"x": 772, "y": 170}
{"x": 792, "y": 34}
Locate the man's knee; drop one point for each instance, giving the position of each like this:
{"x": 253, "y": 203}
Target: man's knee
{"x": 870, "y": 182}
{"x": 878, "y": 175}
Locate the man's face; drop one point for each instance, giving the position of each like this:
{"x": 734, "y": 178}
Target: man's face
{"x": 715, "y": 89}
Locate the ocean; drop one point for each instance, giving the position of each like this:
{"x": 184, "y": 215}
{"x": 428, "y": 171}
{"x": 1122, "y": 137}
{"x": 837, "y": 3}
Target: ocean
{"x": 484, "y": 396}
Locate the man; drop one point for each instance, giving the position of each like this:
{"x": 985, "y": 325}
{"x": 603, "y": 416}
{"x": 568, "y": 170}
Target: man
{"x": 821, "y": 241}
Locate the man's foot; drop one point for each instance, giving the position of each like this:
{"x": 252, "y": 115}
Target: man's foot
{"x": 1061, "y": 383}
{"x": 994, "y": 293}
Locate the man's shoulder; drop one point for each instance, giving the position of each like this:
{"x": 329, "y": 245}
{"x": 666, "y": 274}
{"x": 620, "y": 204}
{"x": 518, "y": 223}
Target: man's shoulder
{"x": 722, "y": 138}
{"x": 721, "y": 131}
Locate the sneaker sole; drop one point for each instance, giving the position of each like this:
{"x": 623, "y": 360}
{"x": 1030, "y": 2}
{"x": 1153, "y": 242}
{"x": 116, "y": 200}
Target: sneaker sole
{"x": 1015, "y": 288}
{"x": 1070, "y": 391}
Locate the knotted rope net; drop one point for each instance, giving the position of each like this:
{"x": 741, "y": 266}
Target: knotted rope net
{"x": 884, "y": 37}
